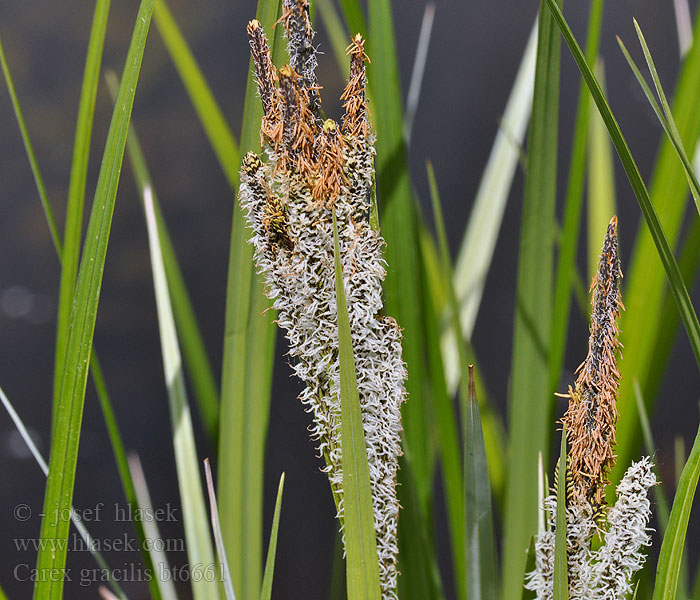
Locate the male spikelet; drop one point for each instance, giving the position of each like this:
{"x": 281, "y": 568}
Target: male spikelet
{"x": 316, "y": 170}
{"x": 592, "y": 414}
{"x": 590, "y": 427}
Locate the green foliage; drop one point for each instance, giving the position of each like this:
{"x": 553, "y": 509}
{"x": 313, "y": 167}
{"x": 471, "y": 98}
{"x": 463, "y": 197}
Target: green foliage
{"x": 64, "y": 445}
{"x": 360, "y": 542}
{"x": 531, "y": 399}
{"x": 561, "y": 578}
{"x": 435, "y": 306}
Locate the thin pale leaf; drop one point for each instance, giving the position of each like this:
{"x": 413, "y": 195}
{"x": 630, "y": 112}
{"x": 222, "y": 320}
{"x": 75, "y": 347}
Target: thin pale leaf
{"x": 198, "y": 539}
{"x": 82, "y": 530}
{"x": 480, "y": 539}
{"x": 479, "y": 242}
{"x": 416, "y": 83}
{"x": 218, "y": 538}
{"x": 159, "y": 559}
{"x": 196, "y": 359}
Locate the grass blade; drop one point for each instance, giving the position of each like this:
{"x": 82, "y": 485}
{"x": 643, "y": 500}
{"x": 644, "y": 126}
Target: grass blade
{"x": 196, "y": 359}
{"x": 444, "y": 416}
{"x": 64, "y": 446}
{"x": 70, "y": 256}
{"x": 399, "y": 222}
{"x": 266, "y": 591}
{"x": 645, "y": 290}
{"x": 30, "y": 152}
{"x": 673, "y": 274}
{"x": 416, "y": 546}
{"x": 216, "y": 528}
{"x": 531, "y": 420}
{"x": 671, "y": 554}
{"x": 480, "y": 540}
{"x": 199, "y": 547}
{"x": 82, "y": 530}
{"x": 689, "y": 258}
{"x": 601, "y": 185}
{"x": 467, "y": 574}
{"x": 662, "y": 510}
{"x": 159, "y": 559}
{"x": 418, "y": 71}
{"x": 208, "y": 111}
{"x": 336, "y": 34}
{"x": 684, "y": 26}
{"x": 566, "y": 274}
{"x": 354, "y": 17}
{"x": 479, "y": 240}
{"x": 248, "y": 356}
{"x": 530, "y": 564}
{"x": 665, "y": 117}
{"x": 360, "y": 541}
{"x": 561, "y": 580}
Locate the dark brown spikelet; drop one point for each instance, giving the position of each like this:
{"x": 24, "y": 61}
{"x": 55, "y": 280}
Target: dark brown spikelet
{"x": 355, "y": 102}
{"x": 298, "y": 125}
{"x": 276, "y": 222}
{"x": 592, "y": 413}
{"x": 330, "y": 164}
{"x": 266, "y": 75}
{"x": 302, "y": 53}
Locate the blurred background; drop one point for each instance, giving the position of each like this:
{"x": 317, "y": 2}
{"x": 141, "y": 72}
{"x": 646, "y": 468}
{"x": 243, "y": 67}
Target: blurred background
{"x": 473, "y": 57}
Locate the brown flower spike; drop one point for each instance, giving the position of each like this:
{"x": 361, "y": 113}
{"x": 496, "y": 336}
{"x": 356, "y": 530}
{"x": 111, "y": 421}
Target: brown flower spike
{"x": 592, "y": 413}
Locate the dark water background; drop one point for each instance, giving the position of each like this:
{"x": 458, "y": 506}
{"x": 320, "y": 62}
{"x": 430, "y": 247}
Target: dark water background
{"x": 473, "y": 58}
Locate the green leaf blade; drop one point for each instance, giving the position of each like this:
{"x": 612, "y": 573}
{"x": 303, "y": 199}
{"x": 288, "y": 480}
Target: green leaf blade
{"x": 266, "y": 591}
{"x": 671, "y": 554}
{"x": 531, "y": 399}
{"x": 64, "y": 447}
{"x": 561, "y": 580}
{"x": 207, "y": 108}
{"x": 360, "y": 538}
{"x": 248, "y": 358}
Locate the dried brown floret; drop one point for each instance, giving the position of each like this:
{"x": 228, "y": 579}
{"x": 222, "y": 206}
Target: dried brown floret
{"x": 330, "y": 164}
{"x": 355, "y": 102}
{"x": 298, "y": 125}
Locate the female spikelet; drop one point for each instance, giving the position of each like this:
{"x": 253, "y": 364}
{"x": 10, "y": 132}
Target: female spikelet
{"x": 317, "y": 169}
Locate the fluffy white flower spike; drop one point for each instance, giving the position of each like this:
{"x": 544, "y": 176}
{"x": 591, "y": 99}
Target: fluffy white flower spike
{"x": 605, "y": 574}
{"x": 315, "y": 170}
